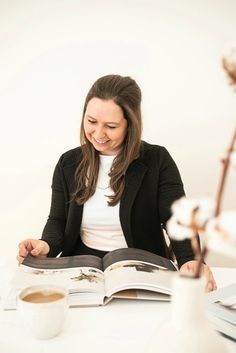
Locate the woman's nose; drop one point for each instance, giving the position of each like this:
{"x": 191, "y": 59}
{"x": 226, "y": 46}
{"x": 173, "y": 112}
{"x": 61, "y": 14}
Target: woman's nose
{"x": 99, "y": 132}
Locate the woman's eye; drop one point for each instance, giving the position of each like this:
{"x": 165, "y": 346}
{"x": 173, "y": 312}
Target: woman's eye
{"x": 111, "y": 127}
{"x": 91, "y": 121}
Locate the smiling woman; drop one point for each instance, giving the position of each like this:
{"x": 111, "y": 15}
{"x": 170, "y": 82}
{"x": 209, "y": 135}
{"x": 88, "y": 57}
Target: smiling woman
{"x": 112, "y": 110}
{"x": 115, "y": 190}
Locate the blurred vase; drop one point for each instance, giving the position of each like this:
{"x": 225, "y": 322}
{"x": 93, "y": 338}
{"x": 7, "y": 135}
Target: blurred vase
{"x": 188, "y": 330}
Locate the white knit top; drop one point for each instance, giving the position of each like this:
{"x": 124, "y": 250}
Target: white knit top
{"x": 100, "y": 228}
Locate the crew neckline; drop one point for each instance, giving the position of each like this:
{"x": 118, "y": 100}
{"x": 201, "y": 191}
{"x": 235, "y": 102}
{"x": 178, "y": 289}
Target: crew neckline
{"x": 105, "y": 156}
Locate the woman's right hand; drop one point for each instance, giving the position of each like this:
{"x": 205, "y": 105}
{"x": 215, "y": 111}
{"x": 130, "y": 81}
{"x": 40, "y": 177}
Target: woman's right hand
{"x": 35, "y": 247}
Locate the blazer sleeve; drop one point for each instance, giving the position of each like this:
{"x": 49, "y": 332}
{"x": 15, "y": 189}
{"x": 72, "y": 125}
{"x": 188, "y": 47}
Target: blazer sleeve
{"x": 170, "y": 189}
{"x": 53, "y": 232}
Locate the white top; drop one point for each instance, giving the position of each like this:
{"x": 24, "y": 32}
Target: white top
{"x": 100, "y": 227}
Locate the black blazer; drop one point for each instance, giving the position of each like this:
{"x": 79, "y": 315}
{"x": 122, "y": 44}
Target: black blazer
{"x": 152, "y": 183}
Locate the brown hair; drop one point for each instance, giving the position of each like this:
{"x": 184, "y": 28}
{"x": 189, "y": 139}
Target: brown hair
{"x": 124, "y": 92}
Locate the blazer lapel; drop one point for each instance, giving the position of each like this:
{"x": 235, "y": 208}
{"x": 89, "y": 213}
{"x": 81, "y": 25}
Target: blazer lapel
{"x": 133, "y": 181}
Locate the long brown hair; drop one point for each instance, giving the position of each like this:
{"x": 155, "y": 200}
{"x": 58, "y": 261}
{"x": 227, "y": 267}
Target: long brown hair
{"x": 124, "y": 92}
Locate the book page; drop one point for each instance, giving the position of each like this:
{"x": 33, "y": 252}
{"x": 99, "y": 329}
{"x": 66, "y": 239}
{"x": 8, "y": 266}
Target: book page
{"x": 222, "y": 303}
{"x": 136, "y": 273}
{"x": 224, "y": 327}
{"x": 141, "y": 294}
{"x": 63, "y": 262}
{"x": 81, "y": 275}
{"x": 137, "y": 254}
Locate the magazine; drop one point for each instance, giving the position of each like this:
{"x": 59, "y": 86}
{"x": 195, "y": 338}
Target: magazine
{"x": 222, "y": 303}
{"x": 221, "y": 308}
{"x": 123, "y": 273}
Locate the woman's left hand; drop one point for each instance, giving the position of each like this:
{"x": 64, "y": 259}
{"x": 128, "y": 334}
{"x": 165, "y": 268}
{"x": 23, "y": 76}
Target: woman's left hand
{"x": 191, "y": 266}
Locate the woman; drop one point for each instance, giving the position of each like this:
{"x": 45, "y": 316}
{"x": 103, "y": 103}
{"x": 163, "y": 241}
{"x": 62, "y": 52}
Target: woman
{"x": 115, "y": 190}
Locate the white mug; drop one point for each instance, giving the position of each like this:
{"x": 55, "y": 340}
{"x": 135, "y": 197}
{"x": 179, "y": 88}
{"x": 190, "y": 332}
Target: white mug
{"x": 43, "y": 309}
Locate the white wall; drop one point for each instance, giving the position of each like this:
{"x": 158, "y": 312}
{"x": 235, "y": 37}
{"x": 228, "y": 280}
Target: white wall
{"x": 53, "y": 50}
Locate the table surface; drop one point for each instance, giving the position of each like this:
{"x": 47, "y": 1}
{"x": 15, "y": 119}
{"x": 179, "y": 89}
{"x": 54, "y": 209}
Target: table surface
{"x": 121, "y": 326}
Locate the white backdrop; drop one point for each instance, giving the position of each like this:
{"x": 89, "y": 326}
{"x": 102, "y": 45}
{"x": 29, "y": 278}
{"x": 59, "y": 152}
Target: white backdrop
{"x": 53, "y": 50}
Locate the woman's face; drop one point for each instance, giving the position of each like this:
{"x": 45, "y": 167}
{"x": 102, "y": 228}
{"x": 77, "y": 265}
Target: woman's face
{"x": 105, "y": 126}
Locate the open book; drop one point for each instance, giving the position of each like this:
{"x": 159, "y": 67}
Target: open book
{"x": 123, "y": 273}
{"x": 221, "y": 306}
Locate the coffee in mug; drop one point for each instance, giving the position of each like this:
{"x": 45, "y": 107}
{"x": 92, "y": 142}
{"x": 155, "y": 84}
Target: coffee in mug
{"x": 45, "y": 296}
{"x": 43, "y": 309}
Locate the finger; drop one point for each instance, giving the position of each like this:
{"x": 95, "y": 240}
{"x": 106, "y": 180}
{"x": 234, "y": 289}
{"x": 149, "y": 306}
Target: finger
{"x": 20, "y": 259}
{"x": 41, "y": 248}
{"x": 22, "y": 250}
{"x": 36, "y": 251}
{"x": 211, "y": 285}
{"x": 214, "y": 286}
{"x": 207, "y": 272}
{"x": 24, "y": 247}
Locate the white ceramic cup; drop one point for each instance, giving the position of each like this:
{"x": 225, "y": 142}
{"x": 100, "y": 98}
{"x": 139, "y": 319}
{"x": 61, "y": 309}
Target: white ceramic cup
{"x": 42, "y": 309}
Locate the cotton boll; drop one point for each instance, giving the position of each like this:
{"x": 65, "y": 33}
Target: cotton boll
{"x": 193, "y": 212}
{"x": 183, "y": 210}
{"x": 205, "y": 211}
{"x": 177, "y": 231}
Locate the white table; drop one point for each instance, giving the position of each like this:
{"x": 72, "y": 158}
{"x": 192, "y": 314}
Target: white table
{"x": 119, "y": 327}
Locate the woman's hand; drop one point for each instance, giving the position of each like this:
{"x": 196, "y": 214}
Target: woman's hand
{"x": 35, "y": 247}
{"x": 191, "y": 266}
